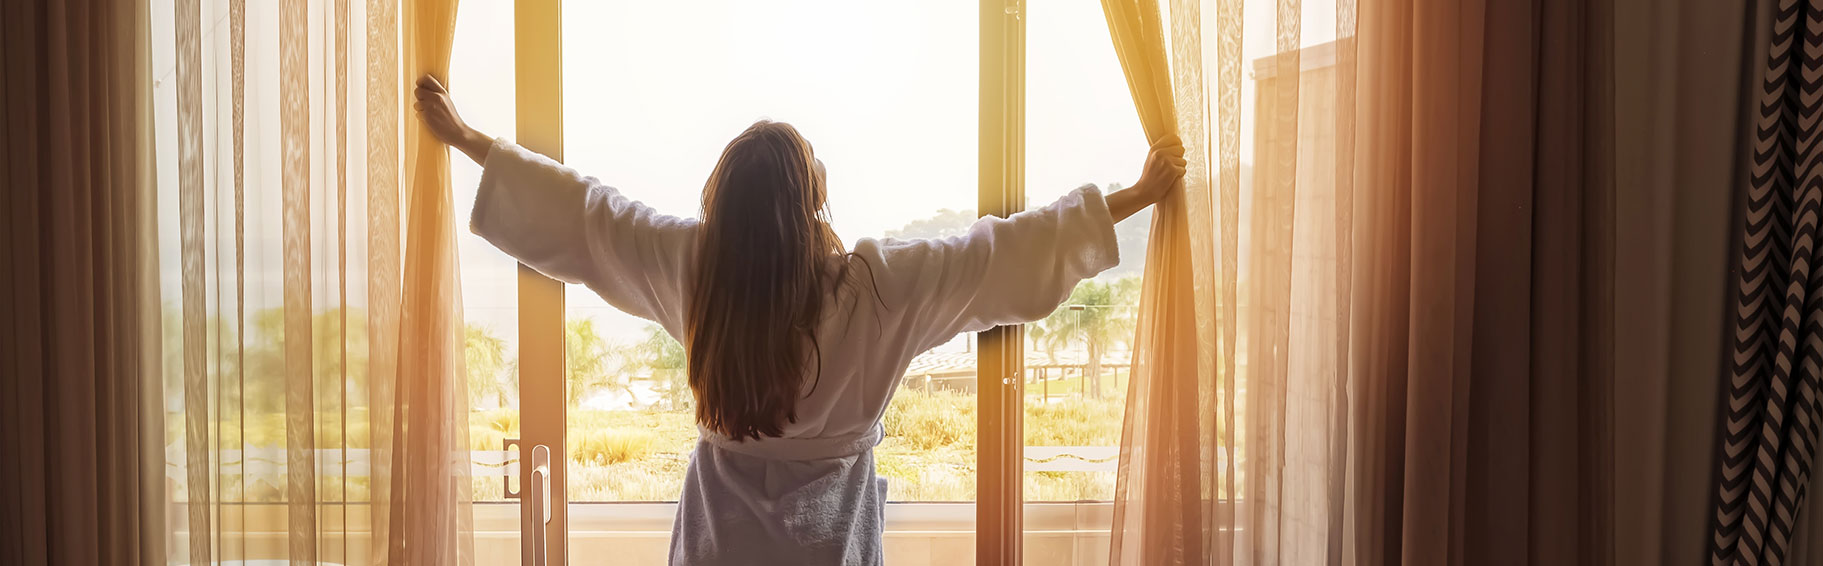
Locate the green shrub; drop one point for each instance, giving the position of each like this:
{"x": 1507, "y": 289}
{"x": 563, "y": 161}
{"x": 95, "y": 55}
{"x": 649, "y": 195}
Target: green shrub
{"x": 932, "y": 420}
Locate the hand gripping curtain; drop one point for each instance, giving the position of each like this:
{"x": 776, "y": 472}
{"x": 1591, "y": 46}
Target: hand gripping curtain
{"x": 1168, "y": 442}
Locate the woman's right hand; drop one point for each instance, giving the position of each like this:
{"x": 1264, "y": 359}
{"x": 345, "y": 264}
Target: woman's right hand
{"x": 1164, "y": 166}
{"x": 439, "y": 115}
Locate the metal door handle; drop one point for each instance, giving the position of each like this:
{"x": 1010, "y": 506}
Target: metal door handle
{"x": 541, "y": 501}
{"x": 509, "y": 467}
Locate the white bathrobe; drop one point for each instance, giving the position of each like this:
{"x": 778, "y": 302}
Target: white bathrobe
{"x": 810, "y": 496}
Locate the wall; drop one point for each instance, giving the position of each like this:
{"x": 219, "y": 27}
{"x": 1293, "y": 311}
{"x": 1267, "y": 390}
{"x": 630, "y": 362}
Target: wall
{"x": 917, "y": 534}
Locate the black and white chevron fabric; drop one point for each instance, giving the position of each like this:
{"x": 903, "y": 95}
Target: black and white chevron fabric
{"x": 1770, "y": 437}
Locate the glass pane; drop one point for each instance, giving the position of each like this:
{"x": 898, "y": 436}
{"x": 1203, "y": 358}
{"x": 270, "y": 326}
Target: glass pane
{"x": 481, "y": 75}
{"x": 1080, "y": 129}
{"x": 247, "y": 370}
{"x": 245, "y": 350}
{"x": 653, "y": 91}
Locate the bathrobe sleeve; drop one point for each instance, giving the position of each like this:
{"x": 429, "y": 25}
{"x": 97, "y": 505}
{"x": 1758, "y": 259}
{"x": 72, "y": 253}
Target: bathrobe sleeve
{"x": 577, "y": 230}
{"x": 1004, "y": 271}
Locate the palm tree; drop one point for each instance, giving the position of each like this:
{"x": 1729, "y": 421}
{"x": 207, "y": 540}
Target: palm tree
{"x": 664, "y": 357}
{"x": 591, "y": 362}
{"x": 484, "y": 356}
{"x": 1098, "y": 315}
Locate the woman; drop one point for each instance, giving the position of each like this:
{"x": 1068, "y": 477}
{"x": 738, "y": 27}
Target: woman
{"x": 795, "y": 345}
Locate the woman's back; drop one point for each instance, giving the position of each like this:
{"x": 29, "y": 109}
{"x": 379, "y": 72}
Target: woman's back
{"x": 810, "y": 494}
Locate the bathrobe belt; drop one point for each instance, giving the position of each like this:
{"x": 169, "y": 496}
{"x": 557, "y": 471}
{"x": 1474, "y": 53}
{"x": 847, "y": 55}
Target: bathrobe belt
{"x": 820, "y": 448}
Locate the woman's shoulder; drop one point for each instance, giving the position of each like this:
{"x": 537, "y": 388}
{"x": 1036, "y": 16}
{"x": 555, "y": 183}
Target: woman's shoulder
{"x": 897, "y": 258}
{"x": 908, "y": 251}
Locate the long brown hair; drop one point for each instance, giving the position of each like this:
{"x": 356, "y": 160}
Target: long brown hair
{"x": 763, "y": 274}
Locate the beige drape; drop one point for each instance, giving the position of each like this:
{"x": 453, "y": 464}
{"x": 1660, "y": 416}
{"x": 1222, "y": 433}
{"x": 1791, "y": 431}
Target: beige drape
{"x": 1411, "y": 220}
{"x": 313, "y": 376}
{"x": 77, "y": 483}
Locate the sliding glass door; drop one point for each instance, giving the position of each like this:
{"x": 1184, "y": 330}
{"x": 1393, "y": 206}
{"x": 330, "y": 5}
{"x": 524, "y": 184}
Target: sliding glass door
{"x": 652, "y": 91}
{"x": 1081, "y": 128}
{"x": 919, "y": 112}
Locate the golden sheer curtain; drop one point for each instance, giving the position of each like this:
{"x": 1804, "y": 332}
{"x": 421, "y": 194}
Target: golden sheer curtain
{"x": 430, "y": 515}
{"x": 1375, "y": 326}
{"x": 1166, "y": 442}
{"x": 316, "y": 404}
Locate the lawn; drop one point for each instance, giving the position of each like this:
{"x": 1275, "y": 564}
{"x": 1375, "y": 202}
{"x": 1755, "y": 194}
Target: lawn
{"x": 928, "y": 453}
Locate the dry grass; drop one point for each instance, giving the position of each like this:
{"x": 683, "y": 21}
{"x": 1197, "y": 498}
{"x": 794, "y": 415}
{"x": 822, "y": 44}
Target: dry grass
{"x": 1073, "y": 421}
{"x": 932, "y": 421}
{"x": 928, "y": 453}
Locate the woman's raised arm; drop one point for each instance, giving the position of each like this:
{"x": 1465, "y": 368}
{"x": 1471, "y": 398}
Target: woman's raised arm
{"x": 569, "y": 227}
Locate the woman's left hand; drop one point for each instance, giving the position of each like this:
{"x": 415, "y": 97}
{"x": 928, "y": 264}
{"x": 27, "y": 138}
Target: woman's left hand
{"x": 439, "y": 114}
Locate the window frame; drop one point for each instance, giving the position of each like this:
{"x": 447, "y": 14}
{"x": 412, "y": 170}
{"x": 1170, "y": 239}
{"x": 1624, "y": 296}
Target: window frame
{"x": 1000, "y": 357}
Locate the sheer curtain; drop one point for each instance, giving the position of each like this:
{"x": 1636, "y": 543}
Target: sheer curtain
{"x": 315, "y": 403}
{"x": 1169, "y": 445}
{"x": 1376, "y": 325}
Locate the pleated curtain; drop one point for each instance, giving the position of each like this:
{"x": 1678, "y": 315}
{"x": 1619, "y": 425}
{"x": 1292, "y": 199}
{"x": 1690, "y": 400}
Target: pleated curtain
{"x": 1376, "y": 323}
{"x": 316, "y": 406}
{"x": 78, "y": 406}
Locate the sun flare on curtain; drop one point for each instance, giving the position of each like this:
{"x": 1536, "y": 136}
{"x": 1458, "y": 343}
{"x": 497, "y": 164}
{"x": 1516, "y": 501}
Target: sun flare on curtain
{"x": 316, "y": 403}
{"x": 1234, "y": 444}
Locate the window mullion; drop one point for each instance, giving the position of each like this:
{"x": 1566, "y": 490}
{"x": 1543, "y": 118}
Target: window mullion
{"x": 1000, "y": 358}
{"x": 538, "y": 64}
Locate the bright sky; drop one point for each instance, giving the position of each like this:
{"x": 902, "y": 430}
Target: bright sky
{"x": 886, "y": 91}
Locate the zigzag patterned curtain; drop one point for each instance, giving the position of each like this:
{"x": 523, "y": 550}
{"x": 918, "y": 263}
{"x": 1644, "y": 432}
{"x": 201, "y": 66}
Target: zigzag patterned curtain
{"x": 1770, "y": 435}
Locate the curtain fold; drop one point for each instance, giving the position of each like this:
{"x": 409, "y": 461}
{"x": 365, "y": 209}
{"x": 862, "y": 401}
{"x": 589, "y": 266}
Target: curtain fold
{"x": 1679, "y": 121}
{"x": 384, "y": 83}
{"x": 431, "y": 517}
{"x": 76, "y": 217}
{"x": 312, "y": 308}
